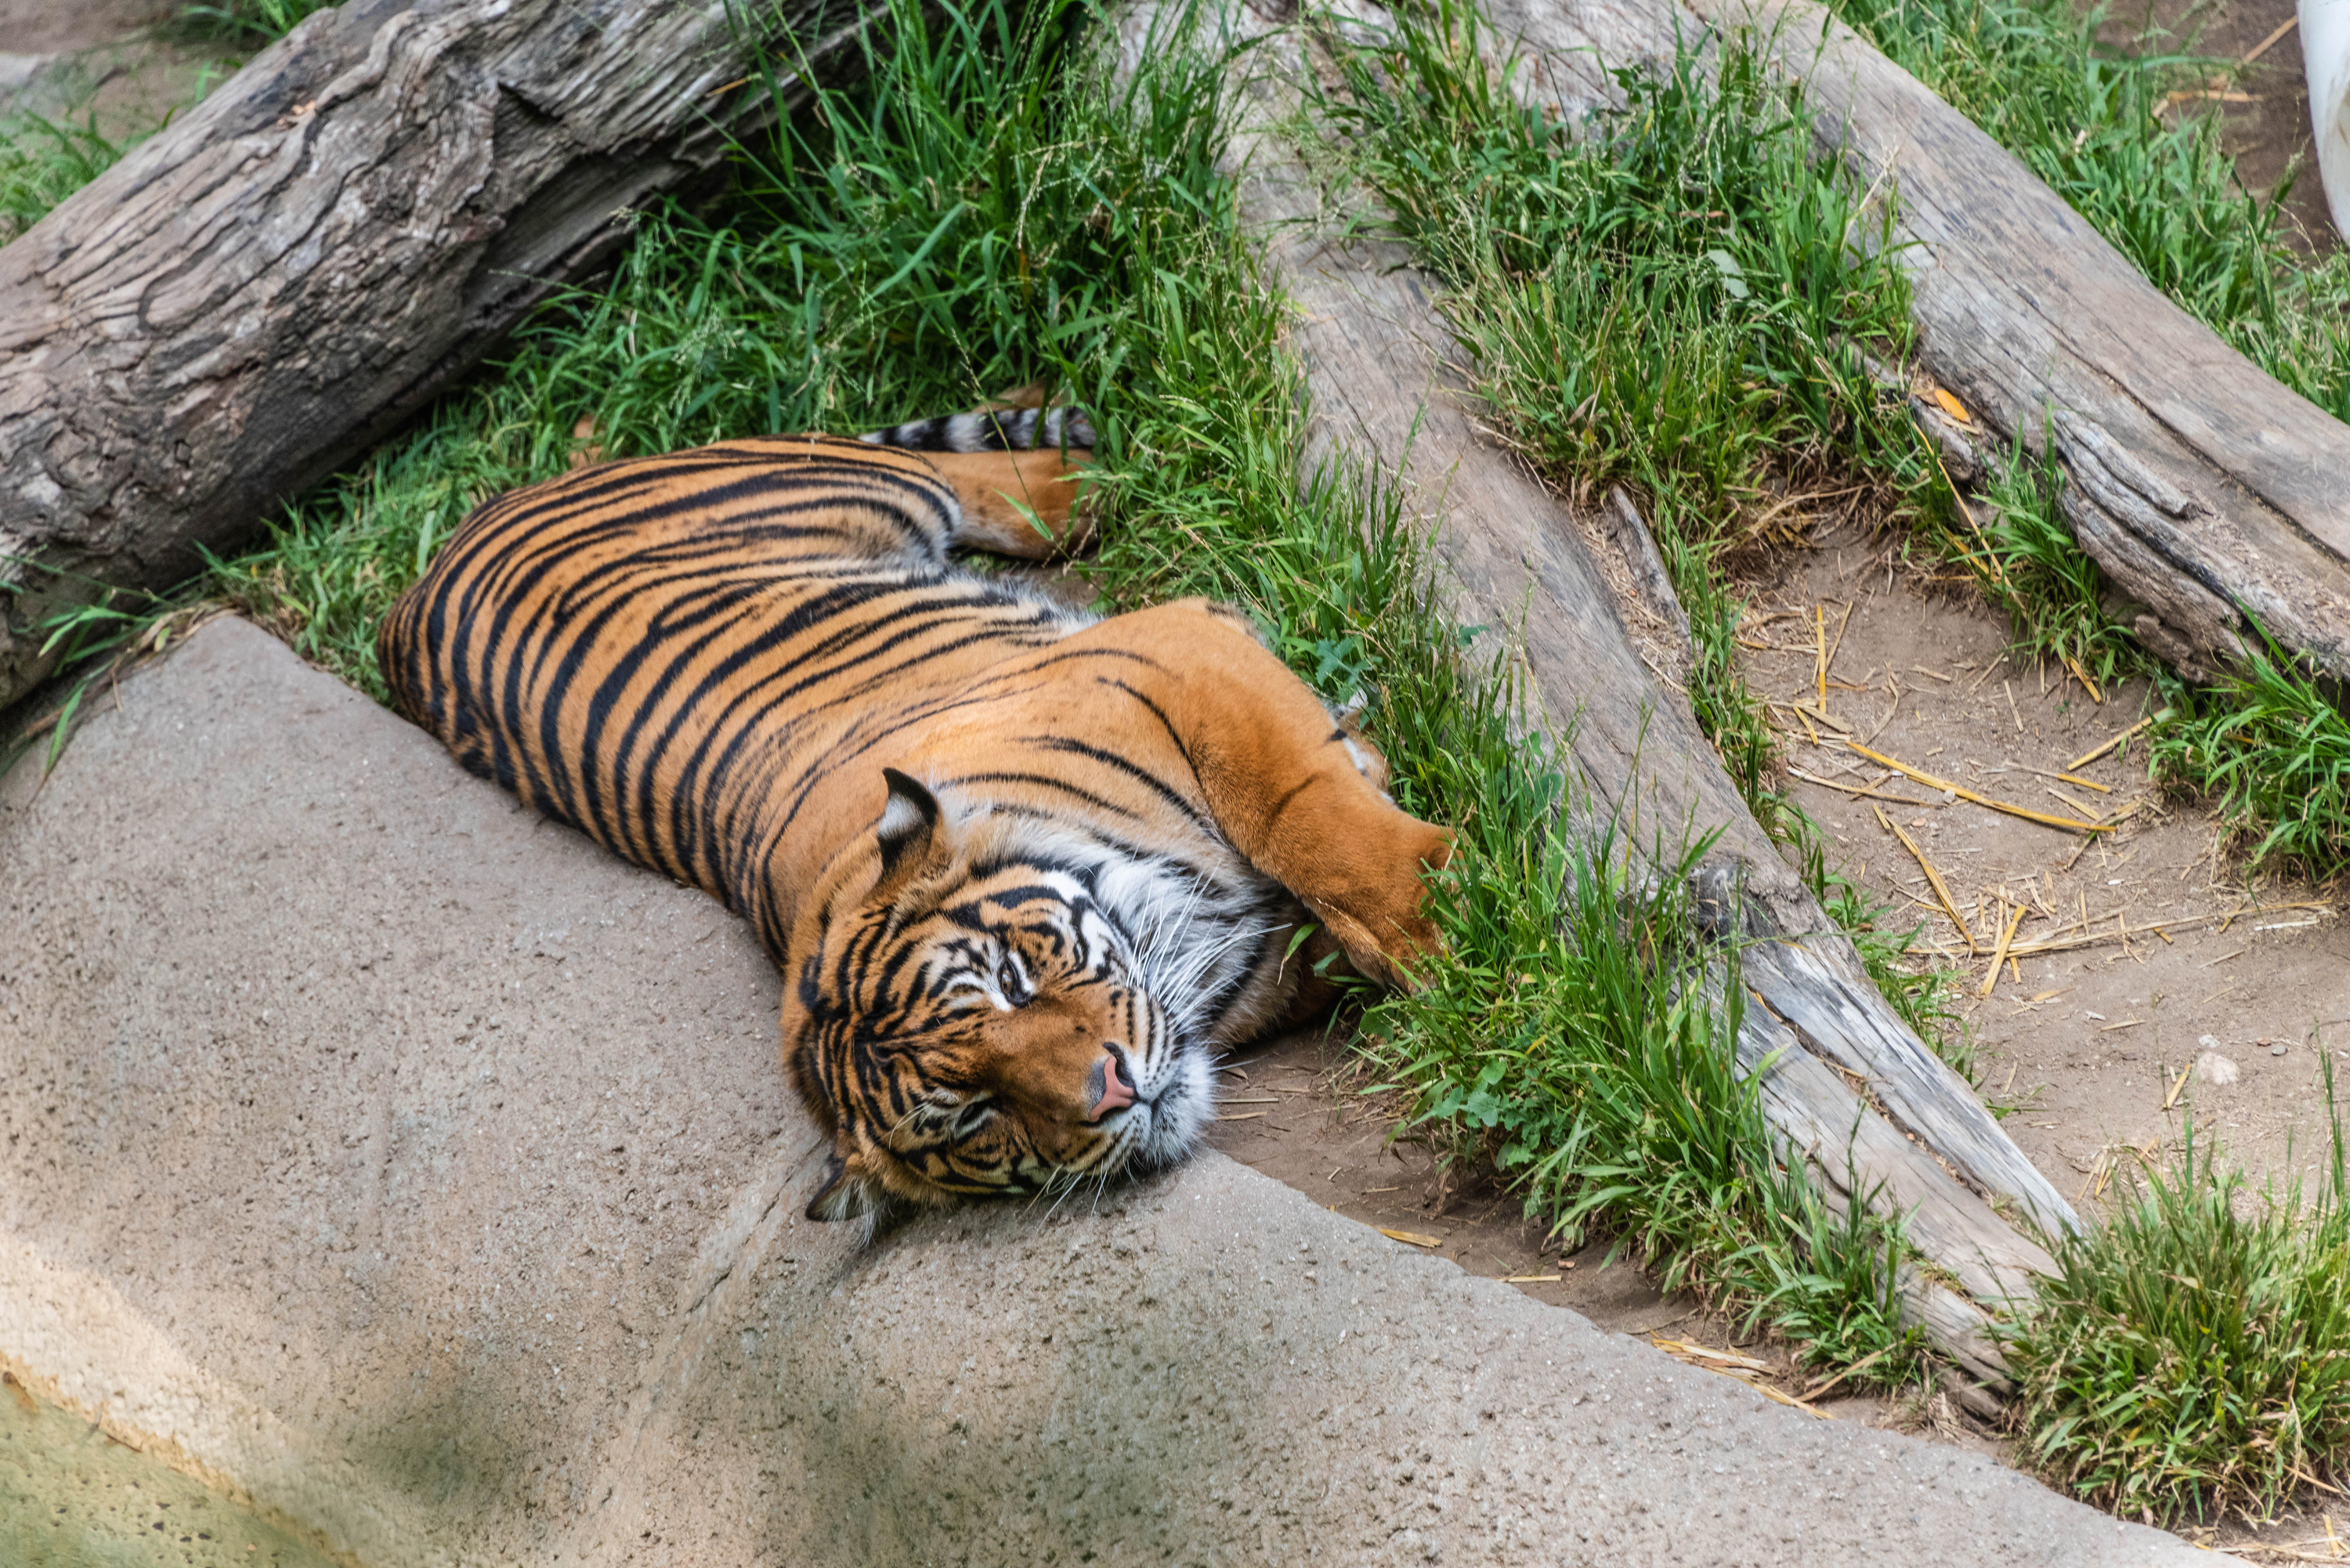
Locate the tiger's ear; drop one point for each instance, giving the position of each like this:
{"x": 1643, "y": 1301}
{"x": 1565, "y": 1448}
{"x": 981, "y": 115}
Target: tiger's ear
{"x": 913, "y": 840}
{"x": 847, "y": 1191}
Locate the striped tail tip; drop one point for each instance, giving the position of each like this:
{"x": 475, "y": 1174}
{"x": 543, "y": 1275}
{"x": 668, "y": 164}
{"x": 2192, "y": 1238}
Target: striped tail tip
{"x": 991, "y": 430}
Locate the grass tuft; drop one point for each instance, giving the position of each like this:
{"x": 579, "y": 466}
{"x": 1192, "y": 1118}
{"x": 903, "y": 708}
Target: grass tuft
{"x": 2192, "y": 1355}
{"x": 242, "y": 26}
{"x": 2274, "y": 747}
{"x": 1583, "y": 1041}
{"x": 43, "y": 161}
{"x": 946, "y": 230}
{"x": 1670, "y": 298}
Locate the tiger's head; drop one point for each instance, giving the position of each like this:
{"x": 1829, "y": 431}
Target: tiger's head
{"x": 974, "y": 1023}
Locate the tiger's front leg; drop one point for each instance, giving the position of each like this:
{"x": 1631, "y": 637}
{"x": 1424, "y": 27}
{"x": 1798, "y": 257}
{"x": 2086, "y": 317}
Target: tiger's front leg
{"x": 1283, "y": 782}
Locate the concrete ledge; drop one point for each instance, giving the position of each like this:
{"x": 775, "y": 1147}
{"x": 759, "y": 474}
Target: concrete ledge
{"x": 406, "y": 1161}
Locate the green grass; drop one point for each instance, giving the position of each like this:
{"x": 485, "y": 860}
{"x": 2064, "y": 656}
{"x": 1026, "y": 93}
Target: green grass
{"x": 44, "y": 161}
{"x": 1677, "y": 303}
{"x": 2026, "y": 561}
{"x": 2274, "y": 749}
{"x": 1571, "y": 1041}
{"x": 983, "y": 209}
{"x": 935, "y": 242}
{"x": 2192, "y": 1355}
{"x": 242, "y": 26}
{"x": 2267, "y": 742}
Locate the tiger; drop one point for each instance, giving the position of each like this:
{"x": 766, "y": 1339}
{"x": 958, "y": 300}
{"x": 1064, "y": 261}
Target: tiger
{"x": 1024, "y": 870}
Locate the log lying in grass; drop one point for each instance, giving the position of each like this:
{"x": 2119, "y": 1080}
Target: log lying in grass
{"x": 2204, "y": 489}
{"x": 1514, "y": 557}
{"x": 1846, "y": 1083}
{"x": 255, "y": 295}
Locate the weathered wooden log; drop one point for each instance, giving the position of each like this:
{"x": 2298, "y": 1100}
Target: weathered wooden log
{"x": 1912, "y": 1138}
{"x": 1516, "y": 557}
{"x": 2205, "y": 489}
{"x": 258, "y": 294}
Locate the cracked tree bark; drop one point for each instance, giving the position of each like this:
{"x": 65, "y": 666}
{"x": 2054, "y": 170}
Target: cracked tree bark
{"x": 258, "y": 294}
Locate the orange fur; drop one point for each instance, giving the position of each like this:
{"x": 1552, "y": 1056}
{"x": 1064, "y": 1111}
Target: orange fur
{"x": 1019, "y": 868}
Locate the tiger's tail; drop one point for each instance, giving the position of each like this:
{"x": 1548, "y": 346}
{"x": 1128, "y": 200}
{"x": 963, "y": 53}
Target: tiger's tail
{"x": 992, "y": 430}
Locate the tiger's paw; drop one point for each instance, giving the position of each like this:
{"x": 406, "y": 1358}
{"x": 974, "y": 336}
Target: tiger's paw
{"x": 1385, "y": 927}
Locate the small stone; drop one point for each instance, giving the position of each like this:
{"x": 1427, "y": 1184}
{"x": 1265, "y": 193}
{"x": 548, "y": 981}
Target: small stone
{"x": 2213, "y": 1069}
{"x": 2209, "y": 1042}
{"x": 2277, "y": 1050}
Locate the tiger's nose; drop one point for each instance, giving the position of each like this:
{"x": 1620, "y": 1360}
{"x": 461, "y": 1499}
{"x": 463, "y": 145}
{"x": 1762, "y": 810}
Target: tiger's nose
{"x": 1110, "y": 1086}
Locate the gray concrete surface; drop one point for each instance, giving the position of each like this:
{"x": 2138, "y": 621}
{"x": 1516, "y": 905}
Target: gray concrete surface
{"x": 372, "y": 1147}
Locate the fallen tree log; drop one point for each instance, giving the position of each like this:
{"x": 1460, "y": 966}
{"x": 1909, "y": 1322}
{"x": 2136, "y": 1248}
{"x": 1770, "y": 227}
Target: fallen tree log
{"x": 255, "y": 295}
{"x": 1846, "y": 1086}
{"x": 1514, "y": 555}
{"x": 2206, "y": 490}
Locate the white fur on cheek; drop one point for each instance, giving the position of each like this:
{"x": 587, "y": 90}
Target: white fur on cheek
{"x": 1185, "y": 1108}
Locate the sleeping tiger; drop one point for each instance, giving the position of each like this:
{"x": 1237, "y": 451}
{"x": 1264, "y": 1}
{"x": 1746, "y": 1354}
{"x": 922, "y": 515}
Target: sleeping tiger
{"x": 1023, "y": 869}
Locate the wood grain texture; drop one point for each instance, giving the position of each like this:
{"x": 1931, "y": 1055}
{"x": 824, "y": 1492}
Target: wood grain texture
{"x": 1845, "y": 1083}
{"x": 259, "y": 293}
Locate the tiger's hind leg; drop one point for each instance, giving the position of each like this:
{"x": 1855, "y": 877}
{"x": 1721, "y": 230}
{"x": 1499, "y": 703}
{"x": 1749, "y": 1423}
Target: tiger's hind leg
{"x": 1027, "y": 504}
{"x": 1018, "y": 472}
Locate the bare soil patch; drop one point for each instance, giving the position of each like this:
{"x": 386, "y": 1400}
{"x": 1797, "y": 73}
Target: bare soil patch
{"x": 75, "y": 60}
{"x": 2198, "y": 989}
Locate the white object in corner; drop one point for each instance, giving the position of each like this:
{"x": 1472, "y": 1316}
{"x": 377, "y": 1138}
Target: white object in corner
{"x": 2326, "y": 50}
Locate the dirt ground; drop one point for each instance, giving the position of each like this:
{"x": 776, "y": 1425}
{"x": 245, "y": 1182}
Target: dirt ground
{"x": 75, "y": 60}
{"x": 2194, "y": 990}
{"x": 2267, "y": 127}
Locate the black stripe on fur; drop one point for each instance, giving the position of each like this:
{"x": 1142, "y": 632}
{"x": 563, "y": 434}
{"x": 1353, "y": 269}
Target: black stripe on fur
{"x": 992, "y": 430}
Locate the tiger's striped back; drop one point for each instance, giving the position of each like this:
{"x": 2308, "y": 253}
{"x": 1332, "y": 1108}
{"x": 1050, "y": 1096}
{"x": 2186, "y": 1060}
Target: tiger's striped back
{"x": 1024, "y": 870}
{"x": 653, "y": 650}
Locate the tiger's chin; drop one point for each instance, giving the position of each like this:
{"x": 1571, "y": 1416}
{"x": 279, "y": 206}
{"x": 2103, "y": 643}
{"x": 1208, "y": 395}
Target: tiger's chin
{"x": 1172, "y": 1118}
